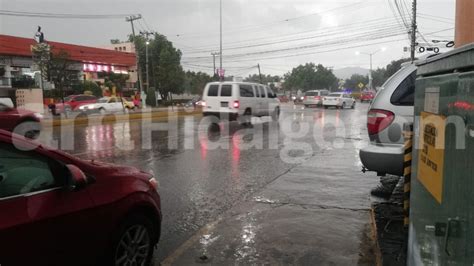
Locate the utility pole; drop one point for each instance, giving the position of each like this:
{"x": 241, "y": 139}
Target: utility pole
{"x": 146, "y": 34}
{"x": 370, "y": 73}
{"x": 131, "y": 19}
{"x": 220, "y": 66}
{"x": 413, "y": 32}
{"x": 214, "y": 60}
{"x": 260, "y": 74}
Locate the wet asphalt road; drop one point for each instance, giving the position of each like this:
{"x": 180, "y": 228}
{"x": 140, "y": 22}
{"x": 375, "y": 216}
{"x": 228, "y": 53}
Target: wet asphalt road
{"x": 203, "y": 171}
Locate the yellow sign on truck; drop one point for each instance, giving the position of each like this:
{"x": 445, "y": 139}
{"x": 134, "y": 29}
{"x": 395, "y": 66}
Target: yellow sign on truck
{"x": 431, "y": 153}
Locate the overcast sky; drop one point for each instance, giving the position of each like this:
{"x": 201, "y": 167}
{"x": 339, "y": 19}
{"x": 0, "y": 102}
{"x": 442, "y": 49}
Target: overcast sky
{"x": 277, "y": 34}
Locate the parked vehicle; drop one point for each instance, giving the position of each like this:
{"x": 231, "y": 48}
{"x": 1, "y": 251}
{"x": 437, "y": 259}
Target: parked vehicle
{"x": 339, "y": 100}
{"x": 240, "y": 100}
{"x": 283, "y": 98}
{"x": 22, "y": 122}
{"x": 367, "y": 96}
{"x": 104, "y": 105}
{"x": 55, "y": 206}
{"x": 7, "y": 102}
{"x": 391, "y": 108}
{"x": 314, "y": 97}
{"x": 73, "y": 102}
{"x": 193, "y": 103}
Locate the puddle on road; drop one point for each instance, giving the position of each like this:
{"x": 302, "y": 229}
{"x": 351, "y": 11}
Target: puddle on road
{"x": 264, "y": 200}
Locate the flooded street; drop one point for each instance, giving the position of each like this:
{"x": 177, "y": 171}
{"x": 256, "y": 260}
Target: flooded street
{"x": 205, "y": 171}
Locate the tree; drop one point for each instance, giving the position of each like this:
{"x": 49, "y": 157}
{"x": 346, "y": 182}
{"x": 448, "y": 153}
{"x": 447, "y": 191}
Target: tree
{"x": 196, "y": 81}
{"x": 88, "y": 86}
{"x": 354, "y": 80}
{"x": 265, "y": 78}
{"x": 59, "y": 71}
{"x": 114, "y": 80}
{"x": 310, "y": 77}
{"x": 165, "y": 70}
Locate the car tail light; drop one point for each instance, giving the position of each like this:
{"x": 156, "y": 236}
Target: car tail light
{"x": 305, "y": 97}
{"x": 317, "y": 97}
{"x": 236, "y": 104}
{"x": 378, "y": 120}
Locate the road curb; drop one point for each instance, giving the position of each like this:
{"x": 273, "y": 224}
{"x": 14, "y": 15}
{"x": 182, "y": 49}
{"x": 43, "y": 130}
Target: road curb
{"x": 373, "y": 225}
{"x": 112, "y": 118}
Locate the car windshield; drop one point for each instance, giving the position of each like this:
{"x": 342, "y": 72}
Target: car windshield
{"x": 236, "y": 132}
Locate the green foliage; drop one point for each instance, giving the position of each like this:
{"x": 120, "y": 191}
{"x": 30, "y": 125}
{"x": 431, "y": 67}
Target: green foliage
{"x": 113, "y": 79}
{"x": 87, "y": 85}
{"x": 165, "y": 70}
{"x": 310, "y": 77}
{"x": 354, "y": 80}
{"x": 265, "y": 78}
{"x": 151, "y": 97}
{"x": 196, "y": 81}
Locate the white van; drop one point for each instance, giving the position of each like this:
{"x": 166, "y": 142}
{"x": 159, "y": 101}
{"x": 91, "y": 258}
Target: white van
{"x": 239, "y": 100}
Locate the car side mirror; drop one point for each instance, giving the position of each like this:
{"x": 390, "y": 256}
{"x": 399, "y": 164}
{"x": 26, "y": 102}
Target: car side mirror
{"x": 77, "y": 179}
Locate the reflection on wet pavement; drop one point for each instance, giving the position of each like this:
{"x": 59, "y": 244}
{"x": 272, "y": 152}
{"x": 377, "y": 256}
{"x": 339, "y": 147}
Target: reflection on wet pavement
{"x": 209, "y": 171}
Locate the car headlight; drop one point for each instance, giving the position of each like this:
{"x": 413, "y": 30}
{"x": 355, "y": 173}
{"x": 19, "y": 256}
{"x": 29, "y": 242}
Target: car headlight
{"x": 38, "y": 116}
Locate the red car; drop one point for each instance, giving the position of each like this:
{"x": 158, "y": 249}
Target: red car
{"x": 367, "y": 96}
{"x": 22, "y": 122}
{"x": 60, "y": 210}
{"x": 73, "y": 102}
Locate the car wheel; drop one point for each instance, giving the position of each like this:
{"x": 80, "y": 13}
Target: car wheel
{"x": 343, "y": 105}
{"x": 134, "y": 242}
{"x": 276, "y": 114}
{"x": 353, "y": 105}
{"x": 102, "y": 111}
{"x": 247, "y": 118}
{"x": 326, "y": 107}
{"x": 29, "y": 129}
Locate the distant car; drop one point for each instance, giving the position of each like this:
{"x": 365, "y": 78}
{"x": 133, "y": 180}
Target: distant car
{"x": 195, "y": 102}
{"x": 104, "y": 105}
{"x": 240, "y": 101}
{"x": 314, "y": 97}
{"x": 283, "y": 98}
{"x": 391, "y": 108}
{"x": 367, "y": 96}
{"x": 22, "y": 122}
{"x": 338, "y": 100}
{"x": 56, "y": 206}
{"x": 73, "y": 102}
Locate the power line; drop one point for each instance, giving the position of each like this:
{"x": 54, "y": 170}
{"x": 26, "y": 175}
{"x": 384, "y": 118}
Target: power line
{"x": 266, "y": 25}
{"x": 62, "y": 15}
{"x": 368, "y": 35}
{"x": 377, "y": 26}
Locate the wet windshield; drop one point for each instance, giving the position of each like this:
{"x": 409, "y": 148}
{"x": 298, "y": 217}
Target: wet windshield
{"x": 233, "y": 132}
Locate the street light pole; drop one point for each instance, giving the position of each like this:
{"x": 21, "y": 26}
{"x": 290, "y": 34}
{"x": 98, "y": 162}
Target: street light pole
{"x": 214, "y": 60}
{"x": 220, "y": 67}
{"x": 370, "y": 71}
{"x": 147, "y": 73}
{"x": 131, "y": 19}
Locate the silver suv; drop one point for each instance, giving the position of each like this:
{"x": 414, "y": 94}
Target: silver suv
{"x": 389, "y": 111}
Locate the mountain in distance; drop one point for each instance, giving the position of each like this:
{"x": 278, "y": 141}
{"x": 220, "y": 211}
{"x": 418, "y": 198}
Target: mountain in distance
{"x": 347, "y": 72}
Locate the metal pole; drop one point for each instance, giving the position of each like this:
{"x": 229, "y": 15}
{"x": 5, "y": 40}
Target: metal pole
{"x": 147, "y": 73}
{"x": 220, "y": 5}
{"x": 260, "y": 74}
{"x": 413, "y": 33}
{"x": 370, "y": 73}
{"x": 131, "y": 19}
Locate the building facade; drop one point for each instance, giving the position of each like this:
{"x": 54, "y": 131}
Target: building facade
{"x": 17, "y": 63}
